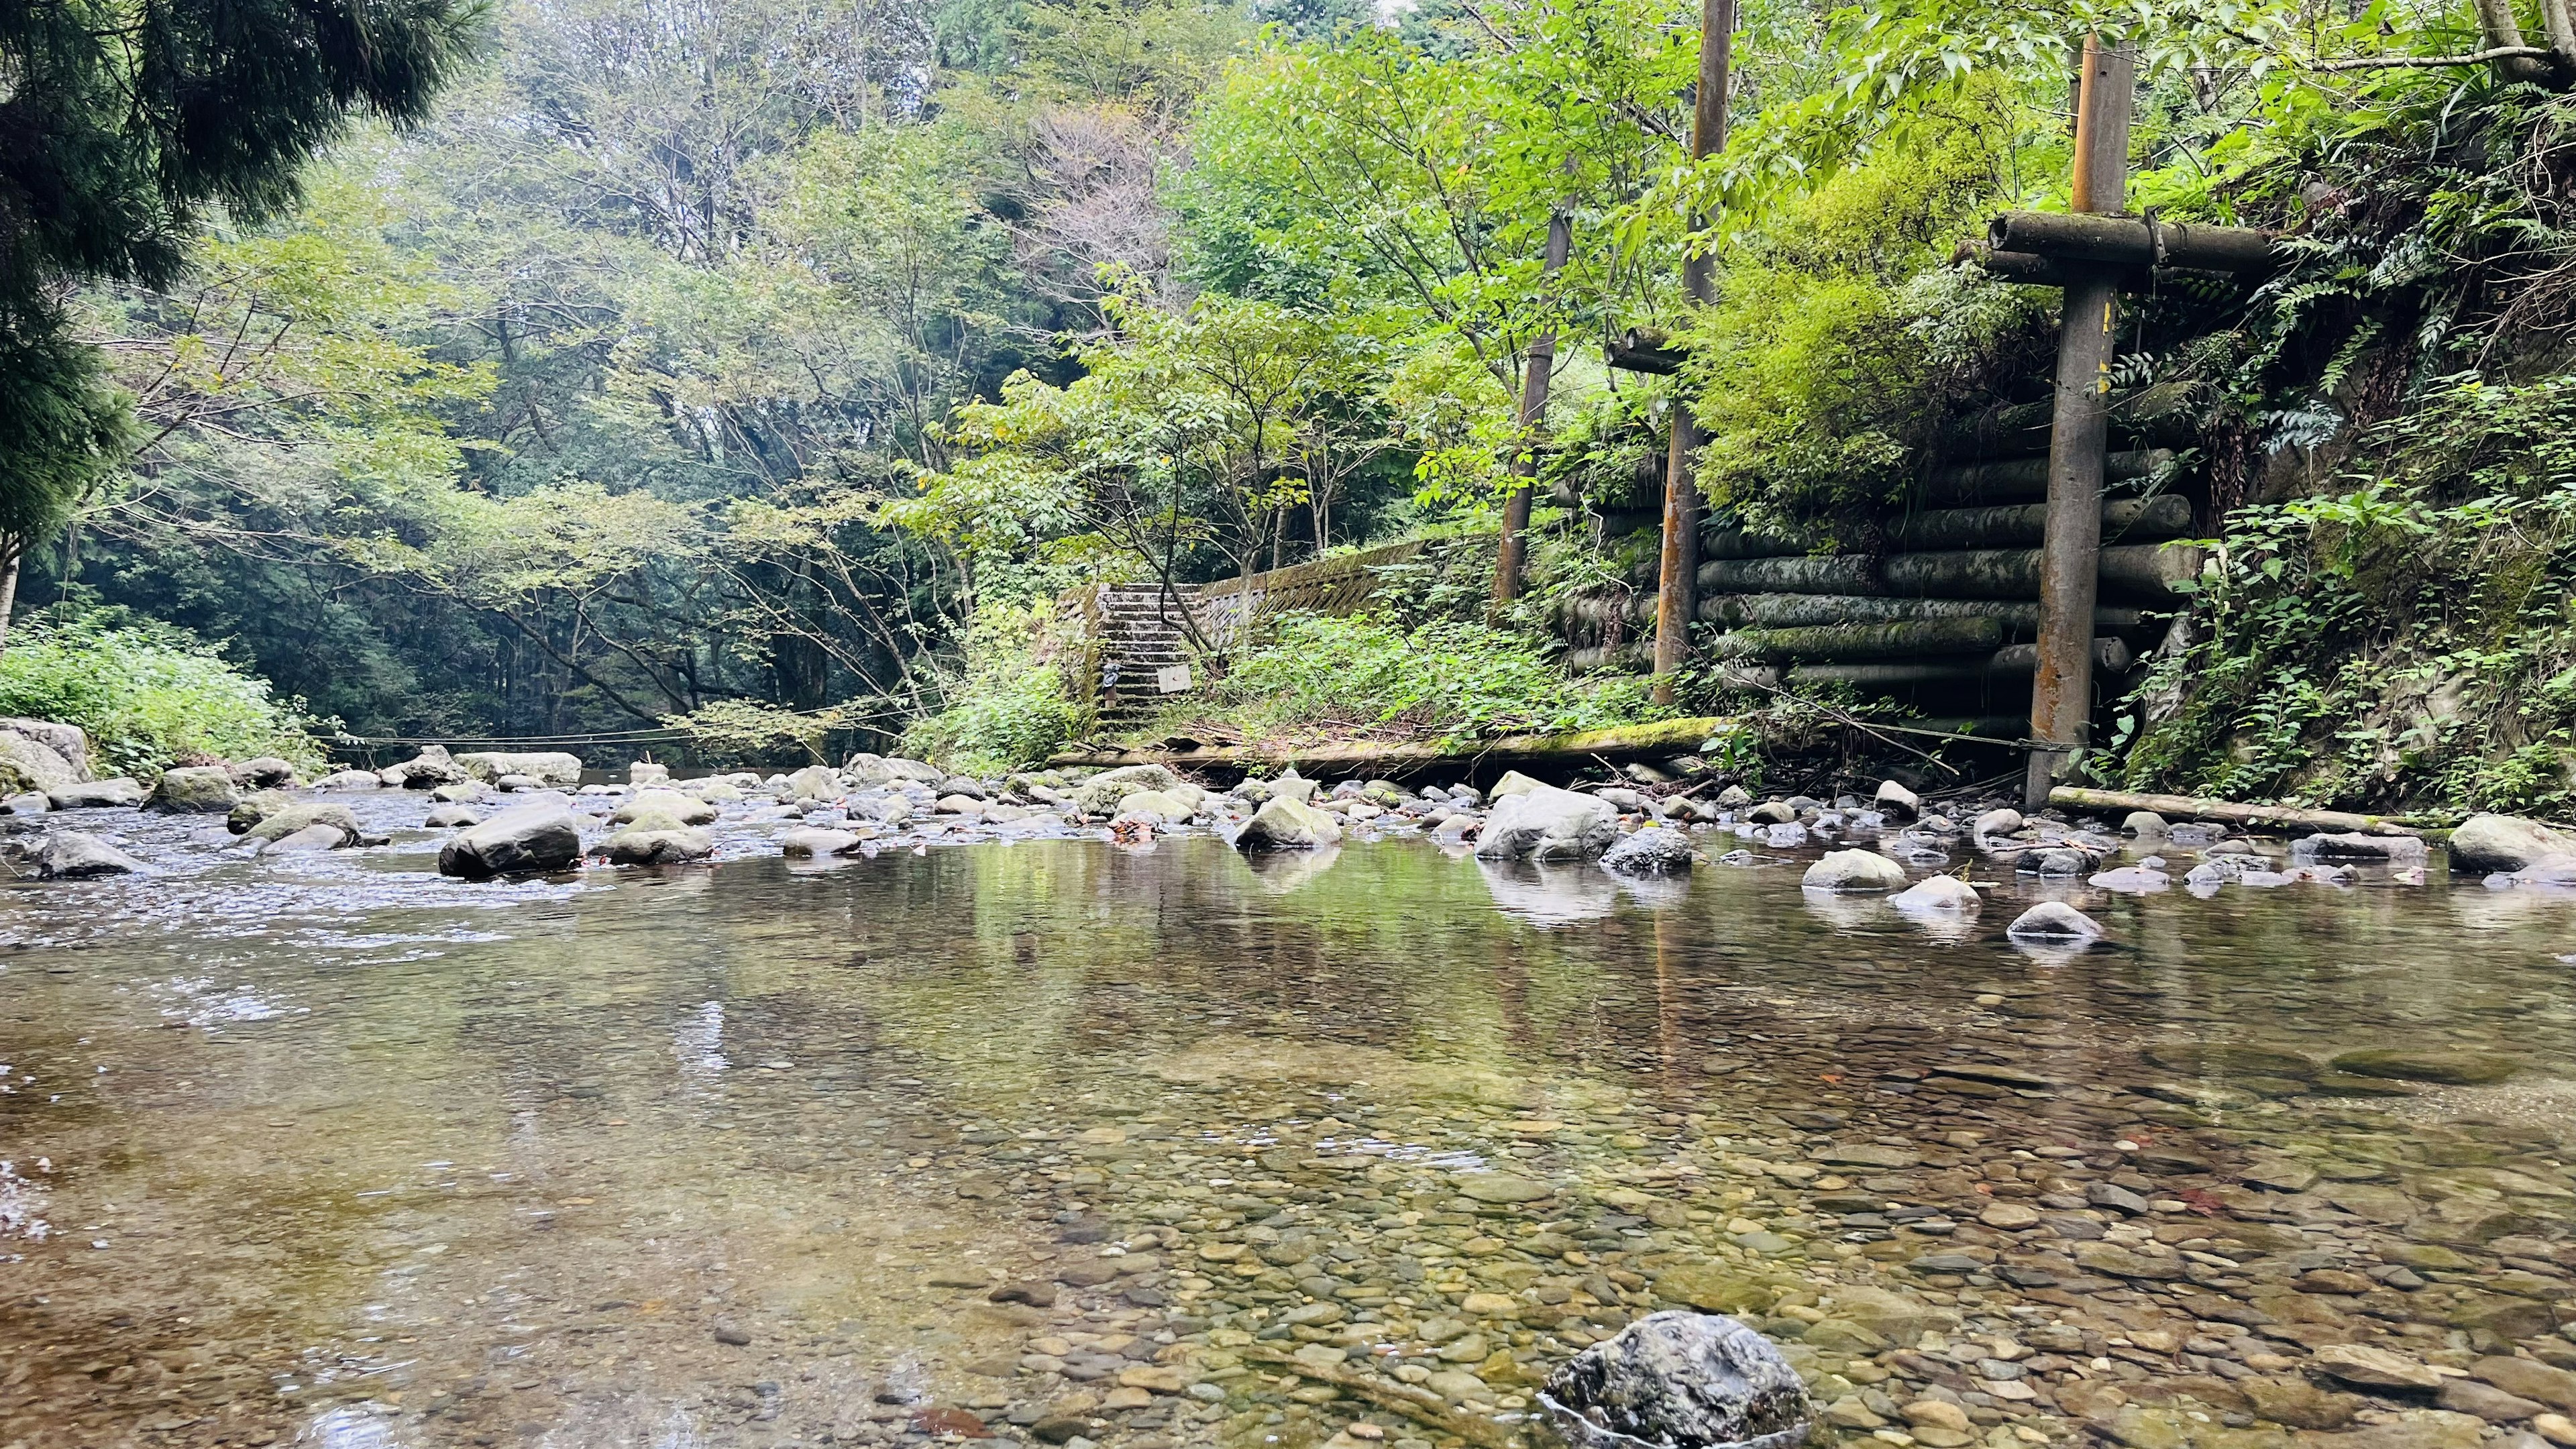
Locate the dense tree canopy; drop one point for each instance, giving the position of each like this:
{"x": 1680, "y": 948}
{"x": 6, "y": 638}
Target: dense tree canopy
{"x": 720, "y": 360}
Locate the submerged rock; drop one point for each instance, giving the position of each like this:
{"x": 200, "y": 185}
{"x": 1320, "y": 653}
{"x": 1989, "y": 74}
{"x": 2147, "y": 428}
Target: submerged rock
{"x": 535, "y": 837}
{"x": 194, "y": 790}
{"x": 72, "y": 855}
{"x": 1285, "y": 823}
{"x": 1655, "y": 850}
{"x": 1546, "y": 823}
{"x": 1678, "y": 1379}
{"x": 2429, "y": 1064}
{"x": 2505, "y": 843}
{"x": 1854, "y": 870}
{"x": 1939, "y": 894}
{"x": 2054, "y": 921}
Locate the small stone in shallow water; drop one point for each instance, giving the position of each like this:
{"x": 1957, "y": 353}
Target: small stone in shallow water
{"x": 2448, "y": 1068}
{"x": 2054, "y": 921}
{"x": 1854, "y": 870}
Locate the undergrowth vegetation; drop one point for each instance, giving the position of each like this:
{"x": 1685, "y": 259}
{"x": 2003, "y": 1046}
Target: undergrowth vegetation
{"x": 150, "y": 696}
{"x": 2406, "y": 641}
{"x": 1009, "y": 702}
{"x": 1445, "y": 678}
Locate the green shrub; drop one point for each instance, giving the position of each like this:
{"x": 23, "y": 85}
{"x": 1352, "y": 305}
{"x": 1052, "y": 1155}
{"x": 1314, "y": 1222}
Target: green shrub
{"x": 1009, "y": 706}
{"x": 150, "y": 696}
{"x": 1439, "y": 676}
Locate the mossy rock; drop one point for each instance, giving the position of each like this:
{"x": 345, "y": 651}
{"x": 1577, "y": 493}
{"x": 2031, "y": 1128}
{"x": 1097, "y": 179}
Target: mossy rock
{"x": 2450, "y": 1068}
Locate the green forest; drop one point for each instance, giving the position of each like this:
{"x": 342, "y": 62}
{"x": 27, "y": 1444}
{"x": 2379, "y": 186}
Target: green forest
{"x": 767, "y": 368}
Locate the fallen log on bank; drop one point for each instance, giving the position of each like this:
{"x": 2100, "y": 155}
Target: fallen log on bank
{"x": 2187, "y": 807}
{"x": 2018, "y": 662}
{"x": 2013, "y": 479}
{"x": 1791, "y": 611}
{"x": 1862, "y": 641}
{"x": 1333, "y": 760}
{"x": 2148, "y": 570}
{"x": 2006, "y": 525}
{"x": 2137, "y": 520}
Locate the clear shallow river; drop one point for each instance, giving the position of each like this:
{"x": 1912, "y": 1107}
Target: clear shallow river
{"x": 1150, "y": 1147}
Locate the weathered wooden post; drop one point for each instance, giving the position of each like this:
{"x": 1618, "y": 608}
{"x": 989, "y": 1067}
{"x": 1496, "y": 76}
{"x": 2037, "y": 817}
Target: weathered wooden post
{"x": 1677, "y": 596}
{"x": 1509, "y": 560}
{"x": 2061, "y": 697}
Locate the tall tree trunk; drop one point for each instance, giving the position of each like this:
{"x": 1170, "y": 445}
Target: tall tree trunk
{"x": 2496, "y": 20}
{"x": 13, "y": 548}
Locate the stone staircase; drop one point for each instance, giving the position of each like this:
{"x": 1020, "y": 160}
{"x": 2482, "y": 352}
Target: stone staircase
{"x": 1140, "y": 634}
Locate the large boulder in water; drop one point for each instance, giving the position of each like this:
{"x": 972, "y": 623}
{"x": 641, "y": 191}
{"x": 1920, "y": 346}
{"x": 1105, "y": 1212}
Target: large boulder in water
{"x": 534, "y": 837}
{"x": 67, "y": 743}
{"x": 123, "y": 792}
{"x": 546, "y": 767}
{"x": 814, "y": 782}
{"x": 1655, "y": 850}
{"x": 1679, "y": 1380}
{"x": 71, "y": 855}
{"x": 302, "y": 815}
{"x": 633, "y": 846}
{"x": 195, "y": 790}
{"x": 432, "y": 767}
{"x": 651, "y": 807}
{"x": 29, "y": 765}
{"x": 1283, "y": 823}
{"x": 266, "y": 772}
{"x": 1546, "y": 823}
{"x": 2485, "y": 843}
{"x": 1103, "y": 793}
{"x": 1854, "y": 870}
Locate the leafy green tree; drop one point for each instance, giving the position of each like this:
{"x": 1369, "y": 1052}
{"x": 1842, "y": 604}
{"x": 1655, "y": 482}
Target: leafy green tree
{"x": 127, "y": 123}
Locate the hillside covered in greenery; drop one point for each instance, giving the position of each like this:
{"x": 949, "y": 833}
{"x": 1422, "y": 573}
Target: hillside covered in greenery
{"x": 768, "y": 365}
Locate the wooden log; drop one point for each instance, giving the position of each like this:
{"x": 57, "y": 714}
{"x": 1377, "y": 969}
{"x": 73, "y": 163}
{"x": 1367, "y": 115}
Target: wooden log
{"x": 1642, "y": 349}
{"x": 1791, "y": 611}
{"x": 2146, "y": 570}
{"x": 2014, "y": 662}
{"x": 1862, "y": 641}
{"x": 1321, "y": 761}
{"x": 2010, "y": 480}
{"x": 2127, "y": 241}
{"x": 2192, "y": 807}
{"x": 2137, "y": 519}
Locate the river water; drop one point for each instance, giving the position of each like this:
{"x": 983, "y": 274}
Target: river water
{"x": 1059, "y": 1140}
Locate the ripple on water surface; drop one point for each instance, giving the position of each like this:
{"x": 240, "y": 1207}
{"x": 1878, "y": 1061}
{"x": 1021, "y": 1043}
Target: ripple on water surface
{"x": 1164, "y": 1145}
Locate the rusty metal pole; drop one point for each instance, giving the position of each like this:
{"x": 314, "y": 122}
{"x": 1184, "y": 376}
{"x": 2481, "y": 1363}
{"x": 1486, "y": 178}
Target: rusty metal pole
{"x": 2061, "y": 699}
{"x": 1509, "y": 560}
{"x": 1677, "y": 597}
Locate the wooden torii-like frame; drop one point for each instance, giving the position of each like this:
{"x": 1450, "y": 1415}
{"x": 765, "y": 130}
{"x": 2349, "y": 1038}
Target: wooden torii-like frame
{"x": 2095, "y": 252}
